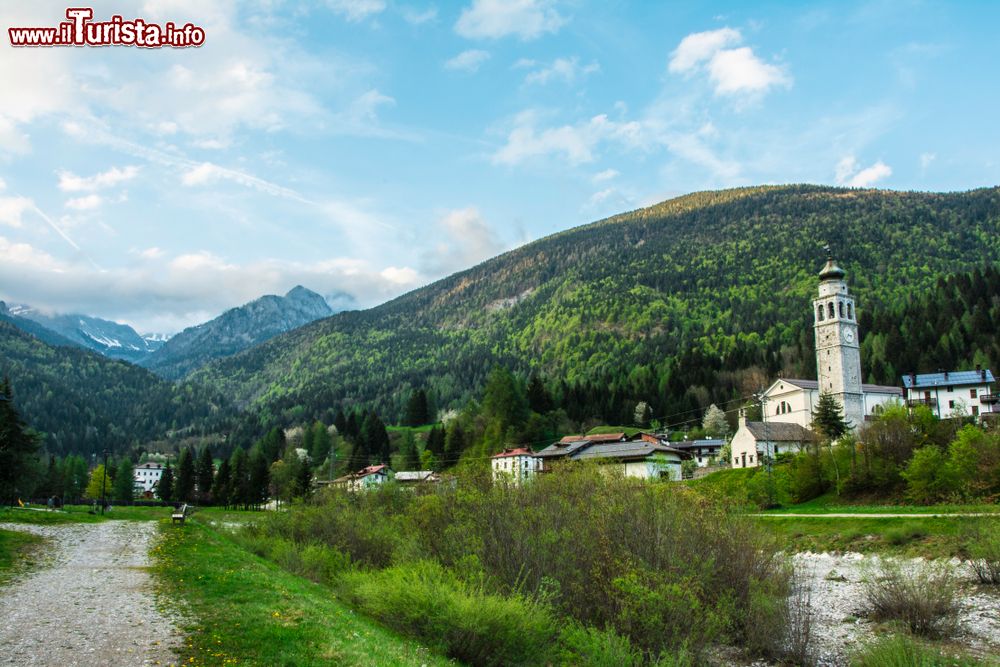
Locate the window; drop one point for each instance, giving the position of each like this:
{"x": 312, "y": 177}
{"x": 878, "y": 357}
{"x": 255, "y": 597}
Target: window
{"x": 850, "y": 311}
{"x": 830, "y": 308}
{"x": 972, "y": 393}
{"x": 951, "y": 404}
{"x": 841, "y": 309}
{"x": 951, "y": 389}
{"x": 819, "y": 314}
{"x": 975, "y": 410}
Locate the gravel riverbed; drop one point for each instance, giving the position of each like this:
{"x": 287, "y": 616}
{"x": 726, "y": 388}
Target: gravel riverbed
{"x": 89, "y": 601}
{"x": 835, "y": 583}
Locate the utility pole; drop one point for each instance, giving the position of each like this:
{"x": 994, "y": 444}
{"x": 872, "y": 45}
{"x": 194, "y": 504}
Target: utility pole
{"x": 768, "y": 458}
{"x": 104, "y": 481}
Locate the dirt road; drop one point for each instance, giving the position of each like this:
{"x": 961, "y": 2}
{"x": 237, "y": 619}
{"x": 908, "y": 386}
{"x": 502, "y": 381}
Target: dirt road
{"x": 89, "y": 601}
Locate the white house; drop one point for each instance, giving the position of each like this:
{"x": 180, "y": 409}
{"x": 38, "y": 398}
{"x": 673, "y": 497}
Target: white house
{"x": 755, "y": 440}
{"x": 517, "y": 464}
{"x": 952, "y": 392}
{"x": 364, "y": 479}
{"x": 838, "y": 363}
{"x": 147, "y": 476}
{"x": 702, "y": 451}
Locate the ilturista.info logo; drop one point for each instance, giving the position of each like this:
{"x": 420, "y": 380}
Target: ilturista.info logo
{"x": 82, "y": 30}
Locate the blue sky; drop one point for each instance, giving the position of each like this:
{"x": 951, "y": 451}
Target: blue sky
{"x": 366, "y": 147}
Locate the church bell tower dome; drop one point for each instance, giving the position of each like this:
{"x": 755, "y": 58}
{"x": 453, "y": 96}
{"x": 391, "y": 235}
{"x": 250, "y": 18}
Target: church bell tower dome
{"x": 831, "y": 271}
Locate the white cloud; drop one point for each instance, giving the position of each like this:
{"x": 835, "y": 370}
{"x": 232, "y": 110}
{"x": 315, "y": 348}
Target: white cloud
{"x": 739, "y": 71}
{"x": 605, "y": 175}
{"x": 356, "y": 10}
{"x": 3, "y": 185}
{"x": 468, "y": 61}
{"x": 160, "y": 293}
{"x": 493, "y": 19}
{"x": 467, "y": 239}
{"x": 574, "y": 143}
{"x": 84, "y": 203}
{"x": 12, "y": 209}
{"x": 415, "y": 16}
{"x": 566, "y": 69}
{"x": 732, "y": 71}
{"x": 69, "y": 182}
{"x": 699, "y": 47}
{"x": 926, "y": 159}
{"x": 847, "y": 173}
{"x": 208, "y": 172}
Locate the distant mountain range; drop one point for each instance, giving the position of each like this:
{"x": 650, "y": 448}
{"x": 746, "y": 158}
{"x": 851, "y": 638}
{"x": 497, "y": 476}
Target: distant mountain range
{"x": 235, "y": 330}
{"x": 118, "y": 341}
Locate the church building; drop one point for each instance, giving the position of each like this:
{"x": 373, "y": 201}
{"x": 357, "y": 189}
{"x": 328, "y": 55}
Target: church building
{"x": 838, "y": 365}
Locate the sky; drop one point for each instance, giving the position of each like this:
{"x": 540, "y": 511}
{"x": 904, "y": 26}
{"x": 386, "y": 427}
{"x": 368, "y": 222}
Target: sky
{"x": 364, "y": 148}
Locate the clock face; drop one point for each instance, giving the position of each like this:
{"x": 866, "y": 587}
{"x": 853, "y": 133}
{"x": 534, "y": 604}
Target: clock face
{"x": 849, "y": 335}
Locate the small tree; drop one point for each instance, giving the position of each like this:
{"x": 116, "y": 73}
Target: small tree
{"x": 184, "y": 485}
{"x": 642, "y": 414}
{"x": 828, "y": 419}
{"x": 411, "y": 455}
{"x": 416, "y": 409}
{"x": 123, "y": 489}
{"x": 93, "y": 490}
{"x": 205, "y": 474}
{"x": 165, "y": 487}
{"x": 714, "y": 423}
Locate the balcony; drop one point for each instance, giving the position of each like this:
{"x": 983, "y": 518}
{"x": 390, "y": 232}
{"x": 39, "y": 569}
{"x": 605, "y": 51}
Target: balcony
{"x": 988, "y": 399}
{"x": 914, "y": 402}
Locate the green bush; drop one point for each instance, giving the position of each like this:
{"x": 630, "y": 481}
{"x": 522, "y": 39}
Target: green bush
{"x": 598, "y": 648}
{"x": 322, "y": 563}
{"x": 904, "y": 534}
{"x": 424, "y": 600}
{"x": 925, "y": 599}
{"x": 903, "y": 651}
{"x": 983, "y": 545}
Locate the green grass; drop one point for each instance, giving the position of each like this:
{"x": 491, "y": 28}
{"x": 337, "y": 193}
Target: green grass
{"x": 81, "y": 514}
{"x": 244, "y": 610}
{"x": 15, "y": 552}
{"x": 905, "y": 651}
{"x": 426, "y": 428}
{"x": 627, "y": 430}
{"x": 928, "y": 537}
{"x": 832, "y": 504}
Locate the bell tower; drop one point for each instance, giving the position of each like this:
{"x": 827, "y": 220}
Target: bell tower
{"x": 838, "y": 352}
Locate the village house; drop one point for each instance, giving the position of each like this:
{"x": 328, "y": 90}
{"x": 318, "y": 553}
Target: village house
{"x": 516, "y": 465}
{"x": 365, "y": 479}
{"x": 642, "y": 456}
{"x": 147, "y": 476}
{"x": 755, "y": 440}
{"x": 417, "y": 477}
{"x": 703, "y": 452}
{"x": 952, "y": 392}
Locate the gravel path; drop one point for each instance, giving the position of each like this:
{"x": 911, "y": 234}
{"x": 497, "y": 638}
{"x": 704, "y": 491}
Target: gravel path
{"x": 90, "y": 601}
{"x": 837, "y": 600}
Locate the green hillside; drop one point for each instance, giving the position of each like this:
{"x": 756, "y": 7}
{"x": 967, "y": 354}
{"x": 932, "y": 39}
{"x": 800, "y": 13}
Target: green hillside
{"x": 697, "y": 299}
{"x": 83, "y": 402}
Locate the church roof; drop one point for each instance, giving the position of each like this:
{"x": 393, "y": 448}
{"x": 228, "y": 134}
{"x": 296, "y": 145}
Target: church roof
{"x": 831, "y": 271}
{"x": 866, "y": 388}
{"x": 779, "y": 432}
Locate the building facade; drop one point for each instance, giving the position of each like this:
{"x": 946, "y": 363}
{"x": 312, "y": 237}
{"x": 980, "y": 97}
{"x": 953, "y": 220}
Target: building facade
{"x": 515, "y": 465}
{"x": 147, "y": 476}
{"x": 949, "y": 393}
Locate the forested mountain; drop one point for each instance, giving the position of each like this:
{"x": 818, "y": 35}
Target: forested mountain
{"x": 118, "y": 341}
{"x": 83, "y": 402}
{"x": 698, "y": 299}
{"x": 235, "y": 330}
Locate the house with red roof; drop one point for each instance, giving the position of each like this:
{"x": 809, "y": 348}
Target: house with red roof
{"x": 516, "y": 465}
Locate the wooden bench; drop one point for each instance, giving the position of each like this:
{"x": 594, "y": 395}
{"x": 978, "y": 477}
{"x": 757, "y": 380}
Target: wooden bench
{"x": 180, "y": 514}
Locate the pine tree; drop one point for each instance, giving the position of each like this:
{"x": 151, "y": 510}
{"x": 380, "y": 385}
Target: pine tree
{"x": 165, "y": 487}
{"x": 408, "y": 448}
{"x": 416, "y": 409}
{"x": 222, "y": 487}
{"x": 205, "y": 474}
{"x": 340, "y": 422}
{"x": 374, "y": 439}
{"x": 123, "y": 489}
{"x": 239, "y": 490}
{"x": 504, "y": 401}
{"x": 259, "y": 481}
{"x": 307, "y": 438}
{"x": 828, "y": 419}
{"x": 539, "y": 398}
{"x": 321, "y": 443}
{"x": 454, "y": 442}
{"x": 435, "y": 442}
{"x": 303, "y": 479}
{"x": 184, "y": 485}
{"x": 17, "y": 446}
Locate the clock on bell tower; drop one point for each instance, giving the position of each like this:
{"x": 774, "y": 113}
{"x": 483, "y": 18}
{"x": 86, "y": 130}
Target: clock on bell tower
{"x": 838, "y": 353}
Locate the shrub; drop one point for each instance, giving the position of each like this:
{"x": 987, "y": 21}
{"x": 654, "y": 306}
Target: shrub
{"x": 925, "y": 598}
{"x": 902, "y": 651}
{"x": 598, "y": 648}
{"x": 900, "y": 535}
{"x": 983, "y": 546}
{"x": 424, "y": 600}
{"x": 322, "y": 563}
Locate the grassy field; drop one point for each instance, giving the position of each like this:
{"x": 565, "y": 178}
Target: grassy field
{"x": 937, "y": 537}
{"x": 84, "y": 514}
{"x": 244, "y": 610}
{"x": 832, "y": 504}
{"x": 15, "y": 548}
